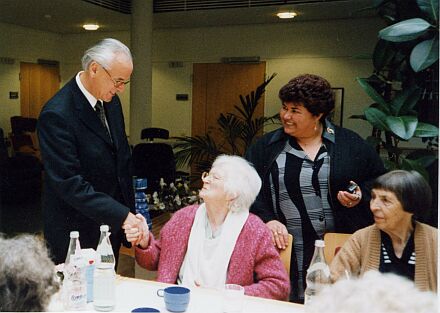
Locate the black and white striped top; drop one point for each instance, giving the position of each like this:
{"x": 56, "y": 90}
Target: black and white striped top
{"x": 303, "y": 199}
{"x": 390, "y": 263}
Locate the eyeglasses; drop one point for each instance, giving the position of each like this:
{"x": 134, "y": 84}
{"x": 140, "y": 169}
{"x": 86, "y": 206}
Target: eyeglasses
{"x": 205, "y": 176}
{"x": 116, "y": 83}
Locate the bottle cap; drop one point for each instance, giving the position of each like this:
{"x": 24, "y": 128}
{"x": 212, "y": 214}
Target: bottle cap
{"x": 74, "y": 234}
{"x": 104, "y": 228}
{"x": 319, "y": 243}
{"x": 140, "y": 183}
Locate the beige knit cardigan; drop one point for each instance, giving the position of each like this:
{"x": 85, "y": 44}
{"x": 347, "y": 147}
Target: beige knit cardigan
{"x": 361, "y": 253}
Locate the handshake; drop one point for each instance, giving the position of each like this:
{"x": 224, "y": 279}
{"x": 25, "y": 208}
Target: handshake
{"x": 136, "y": 230}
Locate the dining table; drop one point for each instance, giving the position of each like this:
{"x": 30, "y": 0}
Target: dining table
{"x": 134, "y": 293}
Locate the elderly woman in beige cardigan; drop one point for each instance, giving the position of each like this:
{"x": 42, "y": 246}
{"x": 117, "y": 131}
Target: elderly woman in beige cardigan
{"x": 396, "y": 242}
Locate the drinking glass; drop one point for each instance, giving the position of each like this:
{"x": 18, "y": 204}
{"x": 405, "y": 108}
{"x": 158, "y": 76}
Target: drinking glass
{"x": 233, "y": 298}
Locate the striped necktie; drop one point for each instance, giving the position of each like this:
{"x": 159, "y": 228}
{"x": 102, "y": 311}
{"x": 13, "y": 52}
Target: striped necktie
{"x": 101, "y": 114}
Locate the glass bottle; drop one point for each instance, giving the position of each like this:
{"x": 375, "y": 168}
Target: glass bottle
{"x": 318, "y": 273}
{"x": 74, "y": 283}
{"x": 104, "y": 277}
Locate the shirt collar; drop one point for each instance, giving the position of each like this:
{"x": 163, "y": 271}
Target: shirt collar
{"x": 92, "y": 100}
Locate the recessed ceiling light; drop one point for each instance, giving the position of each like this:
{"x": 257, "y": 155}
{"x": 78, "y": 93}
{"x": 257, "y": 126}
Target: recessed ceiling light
{"x": 90, "y": 26}
{"x": 287, "y": 14}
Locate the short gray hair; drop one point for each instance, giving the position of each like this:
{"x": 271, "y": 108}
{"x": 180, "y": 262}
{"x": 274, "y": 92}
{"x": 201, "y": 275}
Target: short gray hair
{"x": 27, "y": 274}
{"x": 374, "y": 292}
{"x": 104, "y": 53}
{"x": 240, "y": 179}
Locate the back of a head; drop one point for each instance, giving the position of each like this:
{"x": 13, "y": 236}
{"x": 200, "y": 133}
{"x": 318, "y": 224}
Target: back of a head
{"x": 27, "y": 274}
{"x": 374, "y": 292}
{"x": 104, "y": 53}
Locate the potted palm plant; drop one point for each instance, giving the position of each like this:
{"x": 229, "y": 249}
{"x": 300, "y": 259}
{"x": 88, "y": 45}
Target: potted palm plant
{"x": 238, "y": 131}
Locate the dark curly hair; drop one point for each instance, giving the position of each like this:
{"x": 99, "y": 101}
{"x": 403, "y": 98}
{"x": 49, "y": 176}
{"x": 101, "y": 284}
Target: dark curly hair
{"x": 312, "y": 91}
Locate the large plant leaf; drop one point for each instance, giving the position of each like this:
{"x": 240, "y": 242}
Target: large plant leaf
{"x": 430, "y": 7}
{"x": 426, "y": 130}
{"x": 190, "y": 150}
{"x": 402, "y": 126}
{"x": 377, "y": 118}
{"x": 424, "y": 54}
{"x": 405, "y": 101}
{"x": 405, "y": 30}
{"x": 414, "y": 165}
{"x": 231, "y": 127}
{"x": 425, "y": 160}
{"x": 383, "y": 54}
{"x": 382, "y": 105}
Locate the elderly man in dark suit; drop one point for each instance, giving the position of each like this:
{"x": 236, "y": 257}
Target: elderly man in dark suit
{"x": 86, "y": 154}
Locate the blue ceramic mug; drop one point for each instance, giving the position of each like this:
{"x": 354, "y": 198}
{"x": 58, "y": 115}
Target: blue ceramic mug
{"x": 176, "y": 298}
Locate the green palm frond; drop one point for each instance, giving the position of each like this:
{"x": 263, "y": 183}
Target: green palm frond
{"x": 232, "y": 127}
{"x": 194, "y": 149}
{"x": 239, "y": 130}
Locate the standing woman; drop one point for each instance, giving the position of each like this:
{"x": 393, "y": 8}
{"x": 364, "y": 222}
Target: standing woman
{"x": 306, "y": 166}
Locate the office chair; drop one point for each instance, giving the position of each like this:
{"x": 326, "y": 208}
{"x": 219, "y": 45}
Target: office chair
{"x": 154, "y": 160}
{"x": 333, "y": 242}
{"x": 20, "y": 175}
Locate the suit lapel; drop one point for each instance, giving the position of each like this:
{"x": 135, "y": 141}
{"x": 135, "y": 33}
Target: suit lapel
{"x": 88, "y": 116}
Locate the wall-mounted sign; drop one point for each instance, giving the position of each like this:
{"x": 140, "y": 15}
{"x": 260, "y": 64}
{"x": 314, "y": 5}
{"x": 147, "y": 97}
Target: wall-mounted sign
{"x": 13, "y": 95}
{"x": 182, "y": 97}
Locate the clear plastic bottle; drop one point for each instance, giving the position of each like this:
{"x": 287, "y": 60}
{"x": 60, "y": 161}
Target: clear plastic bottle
{"x": 74, "y": 283}
{"x": 104, "y": 278}
{"x": 318, "y": 273}
{"x": 141, "y": 204}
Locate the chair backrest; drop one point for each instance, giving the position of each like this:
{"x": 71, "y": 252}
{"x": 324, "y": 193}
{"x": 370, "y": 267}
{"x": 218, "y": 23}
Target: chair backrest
{"x": 286, "y": 254}
{"x": 154, "y": 161}
{"x": 3, "y": 149}
{"x": 154, "y": 132}
{"x": 20, "y": 124}
{"x": 333, "y": 242}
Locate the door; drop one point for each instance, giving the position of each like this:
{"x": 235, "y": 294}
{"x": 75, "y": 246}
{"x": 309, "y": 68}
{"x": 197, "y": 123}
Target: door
{"x": 217, "y": 88}
{"x": 38, "y": 83}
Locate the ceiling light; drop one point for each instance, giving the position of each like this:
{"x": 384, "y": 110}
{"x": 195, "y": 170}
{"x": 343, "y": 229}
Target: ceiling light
{"x": 287, "y": 14}
{"x": 90, "y": 26}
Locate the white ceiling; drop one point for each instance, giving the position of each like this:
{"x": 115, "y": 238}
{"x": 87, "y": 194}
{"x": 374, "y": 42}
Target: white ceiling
{"x": 67, "y": 16}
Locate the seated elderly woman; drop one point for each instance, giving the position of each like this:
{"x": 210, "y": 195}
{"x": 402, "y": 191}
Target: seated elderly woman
{"x": 218, "y": 242}
{"x": 396, "y": 242}
{"x": 27, "y": 275}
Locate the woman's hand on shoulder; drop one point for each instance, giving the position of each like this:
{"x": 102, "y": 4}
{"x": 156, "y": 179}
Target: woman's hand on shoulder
{"x": 279, "y": 233}
{"x": 348, "y": 199}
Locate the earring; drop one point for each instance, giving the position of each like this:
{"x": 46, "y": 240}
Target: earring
{"x": 316, "y": 127}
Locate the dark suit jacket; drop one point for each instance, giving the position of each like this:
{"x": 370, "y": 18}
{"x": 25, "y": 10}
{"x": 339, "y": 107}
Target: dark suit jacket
{"x": 87, "y": 177}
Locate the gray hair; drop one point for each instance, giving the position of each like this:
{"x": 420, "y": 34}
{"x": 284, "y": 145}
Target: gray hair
{"x": 374, "y": 292}
{"x": 410, "y": 188}
{"x": 104, "y": 52}
{"x": 240, "y": 180}
{"x": 27, "y": 274}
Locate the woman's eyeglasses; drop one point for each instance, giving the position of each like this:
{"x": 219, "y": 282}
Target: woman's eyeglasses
{"x": 205, "y": 176}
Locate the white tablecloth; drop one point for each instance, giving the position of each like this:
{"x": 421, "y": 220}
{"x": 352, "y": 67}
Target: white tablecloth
{"x": 132, "y": 293}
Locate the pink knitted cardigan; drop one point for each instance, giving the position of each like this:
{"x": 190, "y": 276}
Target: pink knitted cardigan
{"x": 254, "y": 264}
